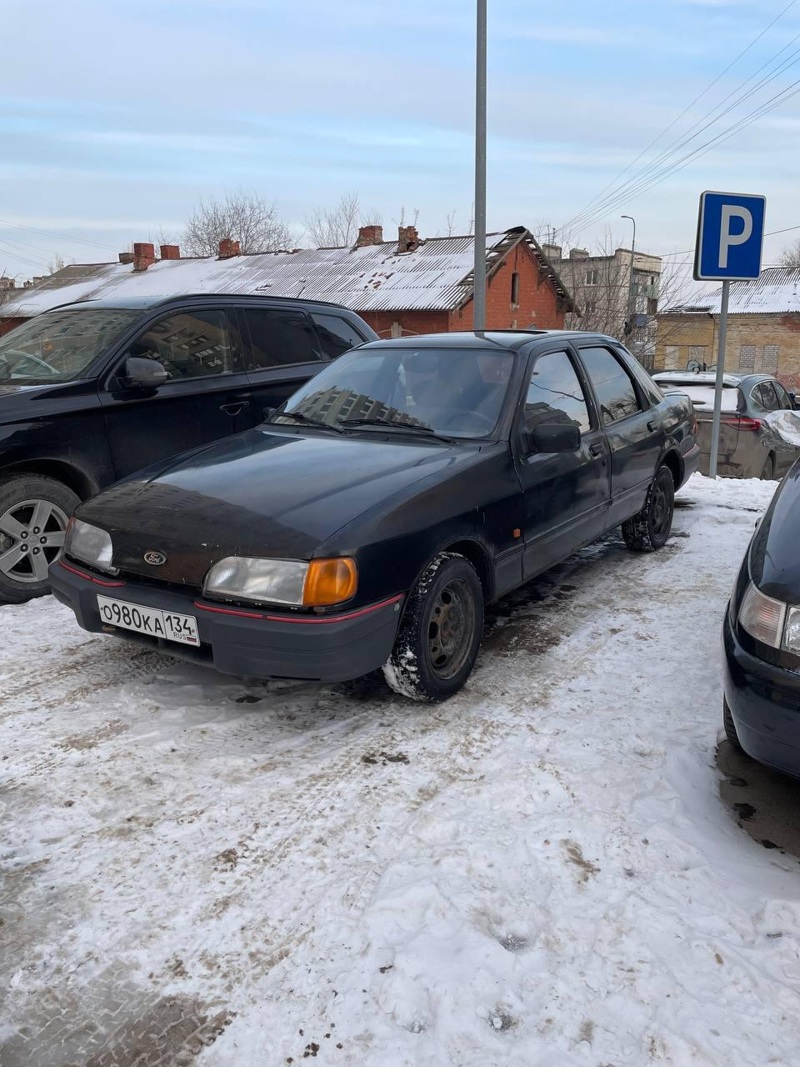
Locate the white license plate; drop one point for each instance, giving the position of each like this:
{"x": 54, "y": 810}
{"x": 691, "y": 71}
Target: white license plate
{"x": 143, "y": 620}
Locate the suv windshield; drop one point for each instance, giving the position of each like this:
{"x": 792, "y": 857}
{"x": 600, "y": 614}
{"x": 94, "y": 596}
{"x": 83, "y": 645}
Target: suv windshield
{"x": 448, "y": 391}
{"x": 60, "y": 345}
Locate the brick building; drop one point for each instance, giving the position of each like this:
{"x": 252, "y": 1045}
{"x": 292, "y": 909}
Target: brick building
{"x": 763, "y": 328}
{"x": 406, "y": 286}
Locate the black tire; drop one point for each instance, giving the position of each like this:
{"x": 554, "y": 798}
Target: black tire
{"x": 768, "y": 470}
{"x": 729, "y": 725}
{"x": 649, "y": 530}
{"x": 440, "y": 632}
{"x": 34, "y": 511}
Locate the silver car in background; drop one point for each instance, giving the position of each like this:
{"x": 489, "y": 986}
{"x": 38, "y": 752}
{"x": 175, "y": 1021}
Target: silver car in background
{"x": 748, "y": 446}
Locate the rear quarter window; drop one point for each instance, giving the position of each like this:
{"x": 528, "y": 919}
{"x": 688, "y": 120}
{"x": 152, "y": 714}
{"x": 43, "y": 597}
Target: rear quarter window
{"x": 336, "y": 335}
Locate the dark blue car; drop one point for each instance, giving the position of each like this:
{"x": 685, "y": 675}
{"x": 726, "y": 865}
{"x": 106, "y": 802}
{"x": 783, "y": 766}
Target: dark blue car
{"x": 761, "y": 637}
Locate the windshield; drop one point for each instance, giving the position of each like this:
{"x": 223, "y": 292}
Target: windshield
{"x": 60, "y": 345}
{"x": 448, "y": 391}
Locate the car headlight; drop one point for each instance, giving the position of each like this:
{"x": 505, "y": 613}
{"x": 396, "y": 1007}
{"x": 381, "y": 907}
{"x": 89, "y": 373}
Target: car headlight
{"x": 91, "y": 545}
{"x": 294, "y": 583}
{"x": 762, "y": 617}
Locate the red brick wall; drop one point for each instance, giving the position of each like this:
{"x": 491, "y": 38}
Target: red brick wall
{"x": 538, "y": 303}
{"x": 9, "y": 324}
{"x": 411, "y": 321}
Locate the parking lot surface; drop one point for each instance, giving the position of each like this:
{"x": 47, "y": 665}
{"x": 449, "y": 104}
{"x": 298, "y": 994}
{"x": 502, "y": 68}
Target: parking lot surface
{"x": 548, "y": 869}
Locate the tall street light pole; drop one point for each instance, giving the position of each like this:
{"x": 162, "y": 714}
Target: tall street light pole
{"x": 479, "y": 272}
{"x": 631, "y": 301}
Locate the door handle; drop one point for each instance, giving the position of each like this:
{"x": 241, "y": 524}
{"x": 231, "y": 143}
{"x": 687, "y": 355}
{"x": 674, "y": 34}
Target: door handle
{"x": 596, "y": 450}
{"x": 652, "y": 426}
{"x": 234, "y": 407}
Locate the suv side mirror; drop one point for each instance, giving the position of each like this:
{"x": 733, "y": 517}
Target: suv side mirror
{"x": 141, "y": 373}
{"x": 793, "y": 398}
{"x": 553, "y": 437}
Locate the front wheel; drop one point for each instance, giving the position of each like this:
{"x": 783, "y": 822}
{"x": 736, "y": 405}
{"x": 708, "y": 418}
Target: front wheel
{"x": 440, "y": 633}
{"x": 730, "y": 726}
{"x": 650, "y": 528}
{"x": 34, "y": 512}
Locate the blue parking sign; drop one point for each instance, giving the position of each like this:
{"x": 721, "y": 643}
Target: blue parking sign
{"x": 730, "y": 232}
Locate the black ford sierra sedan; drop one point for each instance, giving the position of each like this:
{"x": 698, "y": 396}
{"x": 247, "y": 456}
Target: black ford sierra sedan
{"x": 368, "y": 521}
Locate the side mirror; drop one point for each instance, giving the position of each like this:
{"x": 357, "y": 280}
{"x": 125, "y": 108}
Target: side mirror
{"x": 140, "y": 373}
{"x": 793, "y": 398}
{"x": 553, "y": 437}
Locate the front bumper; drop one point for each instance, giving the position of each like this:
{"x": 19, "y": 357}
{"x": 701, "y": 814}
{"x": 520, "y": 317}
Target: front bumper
{"x": 765, "y": 704}
{"x": 248, "y": 642}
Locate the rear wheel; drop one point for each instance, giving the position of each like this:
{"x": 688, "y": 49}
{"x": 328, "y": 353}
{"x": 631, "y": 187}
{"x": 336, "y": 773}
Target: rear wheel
{"x": 729, "y": 725}
{"x": 440, "y": 634}
{"x": 34, "y": 512}
{"x": 650, "y": 529}
{"x": 768, "y": 472}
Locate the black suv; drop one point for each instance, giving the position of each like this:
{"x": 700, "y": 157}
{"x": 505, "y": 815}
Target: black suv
{"x": 93, "y": 391}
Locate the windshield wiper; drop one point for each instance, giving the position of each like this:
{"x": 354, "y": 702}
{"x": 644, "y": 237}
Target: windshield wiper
{"x": 390, "y": 424}
{"x": 300, "y": 417}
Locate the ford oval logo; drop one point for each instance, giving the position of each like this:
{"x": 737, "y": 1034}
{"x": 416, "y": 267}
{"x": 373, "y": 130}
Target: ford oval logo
{"x": 155, "y": 559}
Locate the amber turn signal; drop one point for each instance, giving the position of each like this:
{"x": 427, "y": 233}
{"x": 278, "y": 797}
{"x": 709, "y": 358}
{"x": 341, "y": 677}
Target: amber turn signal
{"x": 329, "y": 581}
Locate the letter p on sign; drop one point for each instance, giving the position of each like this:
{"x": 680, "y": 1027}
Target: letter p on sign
{"x": 730, "y": 233}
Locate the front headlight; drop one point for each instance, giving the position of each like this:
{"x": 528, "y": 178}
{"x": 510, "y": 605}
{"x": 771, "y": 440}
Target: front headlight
{"x": 90, "y": 544}
{"x": 293, "y": 583}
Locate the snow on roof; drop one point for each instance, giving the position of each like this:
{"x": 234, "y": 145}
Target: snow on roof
{"x": 775, "y": 292}
{"x": 435, "y": 276}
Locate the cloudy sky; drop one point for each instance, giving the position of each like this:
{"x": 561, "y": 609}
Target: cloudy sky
{"x": 117, "y": 118}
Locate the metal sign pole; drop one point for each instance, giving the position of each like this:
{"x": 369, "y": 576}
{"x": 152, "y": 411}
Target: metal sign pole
{"x": 723, "y": 332}
{"x": 479, "y": 272}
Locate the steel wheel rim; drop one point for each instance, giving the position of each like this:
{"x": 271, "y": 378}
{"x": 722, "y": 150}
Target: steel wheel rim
{"x": 451, "y": 627}
{"x": 31, "y": 538}
{"x": 660, "y": 509}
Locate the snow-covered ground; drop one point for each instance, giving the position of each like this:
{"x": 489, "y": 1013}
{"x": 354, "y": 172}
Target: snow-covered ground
{"x": 539, "y": 872}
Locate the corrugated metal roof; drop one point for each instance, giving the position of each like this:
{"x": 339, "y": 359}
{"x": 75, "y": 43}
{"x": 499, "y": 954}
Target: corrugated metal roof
{"x": 775, "y": 292}
{"x": 436, "y": 276}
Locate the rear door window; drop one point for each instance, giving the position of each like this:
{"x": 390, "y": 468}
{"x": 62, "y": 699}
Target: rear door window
{"x": 336, "y": 334}
{"x": 274, "y": 337}
{"x": 766, "y": 397}
{"x": 613, "y": 384}
{"x": 783, "y": 397}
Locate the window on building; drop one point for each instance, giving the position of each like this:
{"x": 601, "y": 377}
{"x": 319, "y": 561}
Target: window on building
{"x": 613, "y": 384}
{"x": 747, "y": 359}
{"x": 672, "y": 357}
{"x": 515, "y": 288}
{"x": 771, "y": 359}
{"x": 593, "y": 277}
{"x": 698, "y": 354}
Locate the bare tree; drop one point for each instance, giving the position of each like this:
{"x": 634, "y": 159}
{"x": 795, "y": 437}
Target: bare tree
{"x": 337, "y": 226}
{"x": 58, "y": 263}
{"x": 790, "y": 256}
{"x": 243, "y": 216}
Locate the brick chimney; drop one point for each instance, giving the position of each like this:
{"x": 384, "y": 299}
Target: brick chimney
{"x": 228, "y": 248}
{"x": 126, "y": 257}
{"x": 170, "y": 252}
{"x": 407, "y": 239}
{"x": 369, "y": 235}
{"x": 144, "y": 255}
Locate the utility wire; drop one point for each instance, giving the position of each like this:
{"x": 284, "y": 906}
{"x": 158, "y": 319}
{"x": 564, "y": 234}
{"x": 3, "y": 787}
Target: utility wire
{"x": 589, "y": 213}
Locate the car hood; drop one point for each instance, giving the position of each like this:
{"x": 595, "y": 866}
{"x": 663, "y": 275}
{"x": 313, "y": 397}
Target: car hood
{"x": 774, "y": 560}
{"x": 262, "y": 493}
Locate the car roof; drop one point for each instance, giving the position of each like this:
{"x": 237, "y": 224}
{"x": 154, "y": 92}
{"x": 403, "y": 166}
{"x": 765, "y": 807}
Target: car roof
{"x": 144, "y": 303}
{"x": 709, "y": 378}
{"x": 483, "y": 339}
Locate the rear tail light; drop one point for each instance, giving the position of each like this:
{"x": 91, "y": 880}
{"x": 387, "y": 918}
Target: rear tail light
{"x": 743, "y": 422}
